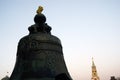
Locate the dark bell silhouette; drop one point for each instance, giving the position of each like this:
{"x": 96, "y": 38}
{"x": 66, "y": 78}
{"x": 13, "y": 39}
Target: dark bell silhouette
{"x": 62, "y": 76}
{"x": 39, "y": 54}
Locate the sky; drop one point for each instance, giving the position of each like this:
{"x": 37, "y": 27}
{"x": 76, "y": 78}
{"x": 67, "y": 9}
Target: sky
{"x": 86, "y": 28}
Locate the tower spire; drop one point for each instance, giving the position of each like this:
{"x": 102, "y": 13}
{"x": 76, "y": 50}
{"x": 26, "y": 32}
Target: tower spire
{"x": 93, "y": 64}
{"x": 94, "y": 71}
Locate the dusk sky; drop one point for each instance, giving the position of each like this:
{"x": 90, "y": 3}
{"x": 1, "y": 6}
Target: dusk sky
{"x": 86, "y": 28}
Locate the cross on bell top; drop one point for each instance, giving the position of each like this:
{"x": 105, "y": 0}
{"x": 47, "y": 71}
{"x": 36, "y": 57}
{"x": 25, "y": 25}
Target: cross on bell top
{"x": 40, "y": 9}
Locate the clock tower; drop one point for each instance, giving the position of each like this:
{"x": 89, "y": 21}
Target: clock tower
{"x": 94, "y": 72}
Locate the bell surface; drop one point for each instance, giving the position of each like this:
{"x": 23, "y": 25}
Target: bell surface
{"x": 40, "y": 55}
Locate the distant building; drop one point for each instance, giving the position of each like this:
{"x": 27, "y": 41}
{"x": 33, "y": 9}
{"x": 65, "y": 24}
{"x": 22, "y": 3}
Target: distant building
{"x": 118, "y": 78}
{"x": 5, "y": 78}
{"x": 94, "y": 72}
{"x": 113, "y": 78}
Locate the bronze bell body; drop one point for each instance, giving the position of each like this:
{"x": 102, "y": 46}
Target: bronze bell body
{"x": 40, "y": 55}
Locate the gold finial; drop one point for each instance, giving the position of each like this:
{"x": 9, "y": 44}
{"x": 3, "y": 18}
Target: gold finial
{"x": 40, "y": 9}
